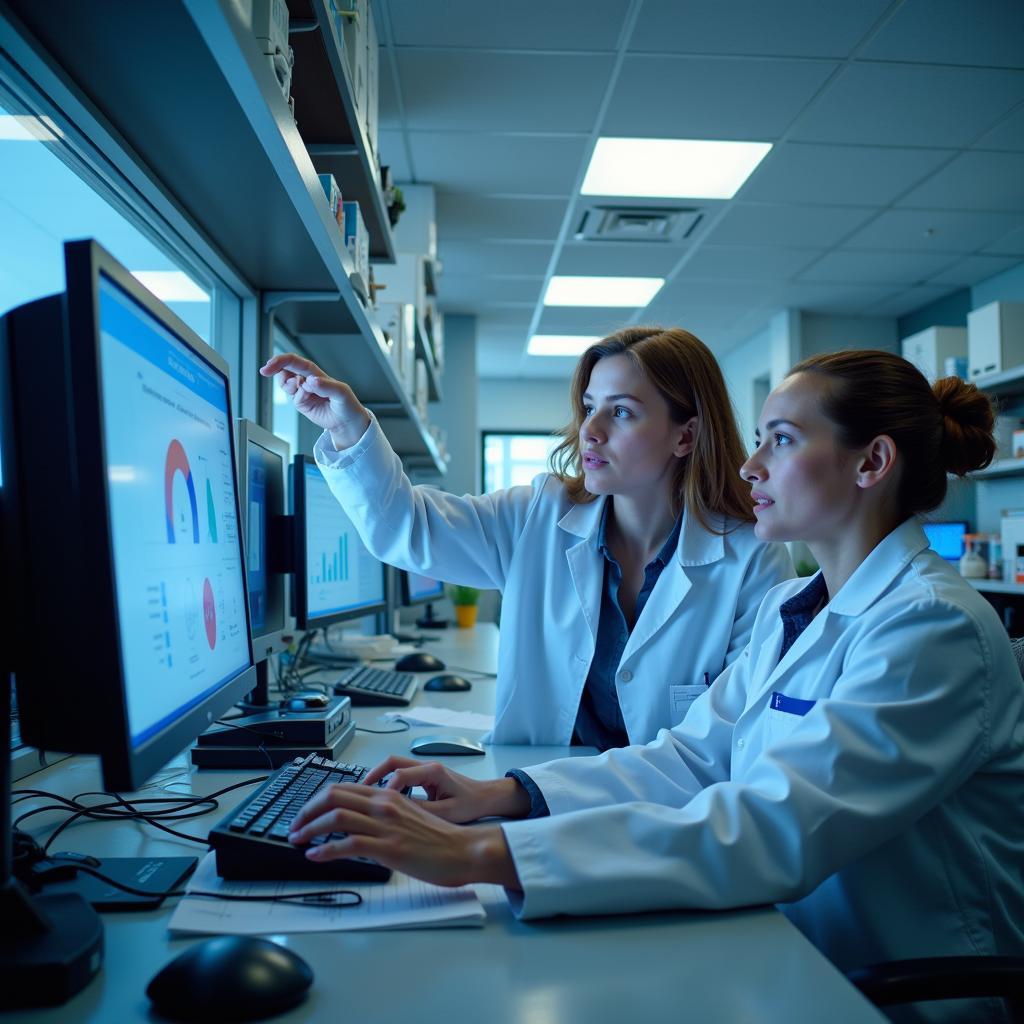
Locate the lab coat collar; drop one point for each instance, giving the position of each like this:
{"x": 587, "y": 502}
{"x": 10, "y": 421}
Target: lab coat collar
{"x": 697, "y": 545}
{"x": 878, "y": 571}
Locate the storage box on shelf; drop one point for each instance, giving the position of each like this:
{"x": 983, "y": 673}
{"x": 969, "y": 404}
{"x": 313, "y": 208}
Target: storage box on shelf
{"x": 929, "y": 349}
{"x": 995, "y": 338}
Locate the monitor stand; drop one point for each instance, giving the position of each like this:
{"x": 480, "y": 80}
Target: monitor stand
{"x": 429, "y": 622}
{"x": 52, "y": 944}
{"x": 258, "y": 698}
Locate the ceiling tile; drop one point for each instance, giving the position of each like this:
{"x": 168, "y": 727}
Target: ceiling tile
{"x": 933, "y": 230}
{"x": 899, "y": 105}
{"x": 838, "y": 299}
{"x": 481, "y": 162}
{"x": 800, "y": 28}
{"x": 711, "y": 98}
{"x": 892, "y": 268}
{"x": 840, "y": 175}
{"x": 757, "y": 224}
{"x": 626, "y": 259}
{"x": 524, "y": 259}
{"x": 1008, "y": 134}
{"x": 582, "y": 320}
{"x": 466, "y": 90}
{"x": 973, "y": 269}
{"x": 566, "y": 25}
{"x": 909, "y": 300}
{"x": 712, "y": 294}
{"x": 984, "y": 32}
{"x": 975, "y": 180}
{"x": 1009, "y": 245}
{"x": 760, "y": 262}
{"x": 479, "y": 292}
{"x": 476, "y": 219}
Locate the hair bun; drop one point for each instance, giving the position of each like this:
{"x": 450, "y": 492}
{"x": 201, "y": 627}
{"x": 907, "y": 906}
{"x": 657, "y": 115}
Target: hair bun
{"x": 967, "y": 417}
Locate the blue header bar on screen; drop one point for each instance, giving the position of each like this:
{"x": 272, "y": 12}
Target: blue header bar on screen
{"x": 134, "y": 326}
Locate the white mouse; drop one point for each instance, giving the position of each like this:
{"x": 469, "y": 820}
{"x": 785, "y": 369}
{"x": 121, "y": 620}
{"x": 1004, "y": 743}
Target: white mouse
{"x": 430, "y": 745}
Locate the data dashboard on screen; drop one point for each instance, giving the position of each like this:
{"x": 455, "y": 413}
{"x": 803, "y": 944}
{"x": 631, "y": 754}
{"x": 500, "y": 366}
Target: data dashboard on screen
{"x": 341, "y": 575}
{"x": 173, "y": 515}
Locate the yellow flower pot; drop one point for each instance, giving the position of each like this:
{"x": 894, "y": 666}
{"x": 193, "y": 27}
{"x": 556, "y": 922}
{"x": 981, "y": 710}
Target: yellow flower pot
{"x": 465, "y": 615}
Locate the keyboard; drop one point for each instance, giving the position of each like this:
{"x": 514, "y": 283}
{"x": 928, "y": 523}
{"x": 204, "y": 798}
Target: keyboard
{"x": 376, "y": 686}
{"x": 251, "y": 843}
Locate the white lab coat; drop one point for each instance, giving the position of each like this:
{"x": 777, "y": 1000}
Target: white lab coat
{"x": 540, "y": 549}
{"x": 888, "y": 819}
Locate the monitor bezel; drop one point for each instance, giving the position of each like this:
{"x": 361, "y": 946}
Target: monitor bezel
{"x": 414, "y": 602}
{"x": 126, "y": 767}
{"x": 300, "y": 595}
{"x": 270, "y": 641}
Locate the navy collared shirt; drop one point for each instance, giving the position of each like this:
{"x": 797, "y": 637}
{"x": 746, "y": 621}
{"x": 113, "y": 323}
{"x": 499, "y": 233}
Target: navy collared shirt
{"x": 599, "y": 721}
{"x": 798, "y": 611}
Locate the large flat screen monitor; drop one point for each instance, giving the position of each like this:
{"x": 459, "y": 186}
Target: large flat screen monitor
{"x": 132, "y": 606}
{"x": 263, "y": 460}
{"x": 336, "y": 578}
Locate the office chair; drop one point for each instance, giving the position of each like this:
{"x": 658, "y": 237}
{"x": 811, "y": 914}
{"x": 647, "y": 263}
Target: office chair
{"x": 1018, "y": 650}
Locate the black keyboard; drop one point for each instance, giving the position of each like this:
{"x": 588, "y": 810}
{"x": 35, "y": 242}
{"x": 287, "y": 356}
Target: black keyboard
{"x": 376, "y": 686}
{"x": 251, "y": 843}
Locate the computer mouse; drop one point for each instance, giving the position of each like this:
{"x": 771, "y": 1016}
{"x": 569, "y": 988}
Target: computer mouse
{"x": 311, "y": 701}
{"x": 419, "y": 661}
{"x": 448, "y": 682}
{"x": 230, "y": 978}
{"x": 434, "y": 744}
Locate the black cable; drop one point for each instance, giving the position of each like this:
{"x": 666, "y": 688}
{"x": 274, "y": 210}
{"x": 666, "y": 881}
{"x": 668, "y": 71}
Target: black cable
{"x": 318, "y": 898}
{"x": 405, "y": 727}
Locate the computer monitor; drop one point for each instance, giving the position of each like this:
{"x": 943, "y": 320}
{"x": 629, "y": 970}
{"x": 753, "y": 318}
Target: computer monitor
{"x": 132, "y": 614}
{"x": 418, "y": 589}
{"x": 946, "y": 538}
{"x": 263, "y": 460}
{"x": 131, "y": 623}
{"x": 336, "y": 577}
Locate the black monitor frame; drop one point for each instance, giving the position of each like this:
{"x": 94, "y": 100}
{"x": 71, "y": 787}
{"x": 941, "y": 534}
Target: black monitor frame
{"x": 300, "y": 595}
{"x": 68, "y": 667}
{"x": 277, "y": 530}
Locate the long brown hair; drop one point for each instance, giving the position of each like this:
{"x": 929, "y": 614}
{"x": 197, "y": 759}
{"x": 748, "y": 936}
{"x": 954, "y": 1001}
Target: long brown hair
{"x": 938, "y": 429}
{"x": 687, "y": 376}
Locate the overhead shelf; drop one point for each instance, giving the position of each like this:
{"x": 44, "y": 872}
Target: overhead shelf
{"x": 1005, "y": 383}
{"x": 184, "y": 85}
{"x": 329, "y": 124}
{"x": 1001, "y": 467}
{"x": 426, "y": 353}
{"x": 997, "y": 586}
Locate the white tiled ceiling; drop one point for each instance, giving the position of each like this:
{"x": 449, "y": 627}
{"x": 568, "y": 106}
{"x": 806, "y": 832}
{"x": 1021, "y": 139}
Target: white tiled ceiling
{"x": 896, "y": 177}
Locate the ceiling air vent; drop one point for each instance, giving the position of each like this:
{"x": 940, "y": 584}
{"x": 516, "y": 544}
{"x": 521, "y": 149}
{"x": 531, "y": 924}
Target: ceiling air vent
{"x": 637, "y": 224}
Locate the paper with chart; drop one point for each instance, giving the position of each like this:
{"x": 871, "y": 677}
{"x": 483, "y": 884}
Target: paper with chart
{"x": 401, "y": 902}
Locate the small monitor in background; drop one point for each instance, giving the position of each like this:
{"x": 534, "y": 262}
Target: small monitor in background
{"x": 417, "y": 590}
{"x": 946, "y": 538}
{"x": 336, "y": 577}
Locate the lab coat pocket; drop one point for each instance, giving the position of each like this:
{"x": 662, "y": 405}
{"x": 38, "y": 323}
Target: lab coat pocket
{"x": 784, "y": 714}
{"x": 681, "y": 697}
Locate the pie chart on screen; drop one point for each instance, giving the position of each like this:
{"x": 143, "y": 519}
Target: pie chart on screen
{"x": 181, "y": 521}
{"x": 209, "y": 614}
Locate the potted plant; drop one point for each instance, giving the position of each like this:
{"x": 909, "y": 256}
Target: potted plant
{"x": 465, "y": 601}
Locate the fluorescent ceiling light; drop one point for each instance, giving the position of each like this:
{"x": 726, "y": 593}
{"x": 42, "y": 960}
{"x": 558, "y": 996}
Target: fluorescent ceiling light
{"x": 560, "y": 344}
{"x": 26, "y": 128}
{"x": 171, "y": 285}
{"x": 671, "y": 168}
{"x": 602, "y": 291}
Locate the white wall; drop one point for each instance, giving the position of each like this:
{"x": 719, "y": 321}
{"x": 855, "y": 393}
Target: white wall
{"x": 510, "y": 405}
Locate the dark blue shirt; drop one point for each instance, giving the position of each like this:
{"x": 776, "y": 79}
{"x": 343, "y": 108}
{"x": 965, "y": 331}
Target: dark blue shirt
{"x": 797, "y": 612}
{"x": 599, "y": 721}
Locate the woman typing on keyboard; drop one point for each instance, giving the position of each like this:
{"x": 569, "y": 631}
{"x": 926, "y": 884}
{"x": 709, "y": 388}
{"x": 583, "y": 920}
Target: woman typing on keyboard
{"x": 630, "y": 576}
{"x": 860, "y": 762}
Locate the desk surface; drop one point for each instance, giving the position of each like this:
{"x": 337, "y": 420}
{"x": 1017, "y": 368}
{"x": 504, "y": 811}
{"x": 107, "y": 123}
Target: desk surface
{"x": 736, "y": 966}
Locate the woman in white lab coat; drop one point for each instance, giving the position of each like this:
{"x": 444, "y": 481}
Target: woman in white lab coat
{"x": 860, "y": 764}
{"x": 630, "y": 577}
